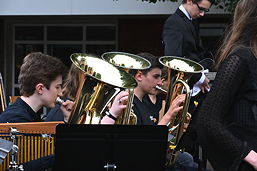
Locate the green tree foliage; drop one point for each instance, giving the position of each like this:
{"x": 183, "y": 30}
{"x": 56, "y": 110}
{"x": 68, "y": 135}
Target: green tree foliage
{"x": 227, "y": 5}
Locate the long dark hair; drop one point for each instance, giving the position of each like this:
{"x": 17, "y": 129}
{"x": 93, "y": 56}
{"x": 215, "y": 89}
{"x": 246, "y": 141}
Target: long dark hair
{"x": 71, "y": 83}
{"x": 242, "y": 32}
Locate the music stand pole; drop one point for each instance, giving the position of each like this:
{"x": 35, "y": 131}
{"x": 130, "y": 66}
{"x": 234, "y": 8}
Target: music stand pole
{"x": 14, "y": 151}
{"x": 110, "y": 167}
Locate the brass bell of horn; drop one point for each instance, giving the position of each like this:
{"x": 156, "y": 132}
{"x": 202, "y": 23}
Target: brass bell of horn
{"x": 179, "y": 72}
{"x": 101, "y": 81}
{"x": 127, "y": 62}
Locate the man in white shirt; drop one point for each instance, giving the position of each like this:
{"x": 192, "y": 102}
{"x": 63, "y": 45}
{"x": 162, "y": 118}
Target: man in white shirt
{"x": 181, "y": 38}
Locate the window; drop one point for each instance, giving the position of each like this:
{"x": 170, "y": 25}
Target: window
{"x": 61, "y": 41}
{"x": 29, "y": 33}
{"x": 211, "y": 37}
{"x": 95, "y": 33}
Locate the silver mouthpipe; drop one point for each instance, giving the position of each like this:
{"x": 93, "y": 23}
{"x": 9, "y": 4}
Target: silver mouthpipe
{"x": 59, "y": 100}
{"x": 160, "y": 89}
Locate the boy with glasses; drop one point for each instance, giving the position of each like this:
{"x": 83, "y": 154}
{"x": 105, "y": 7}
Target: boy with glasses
{"x": 181, "y": 35}
{"x": 181, "y": 31}
{"x": 181, "y": 38}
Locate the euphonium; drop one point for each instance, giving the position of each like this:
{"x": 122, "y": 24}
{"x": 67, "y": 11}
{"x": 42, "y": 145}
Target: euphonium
{"x": 127, "y": 62}
{"x": 179, "y": 72}
{"x": 100, "y": 82}
{"x": 2, "y": 94}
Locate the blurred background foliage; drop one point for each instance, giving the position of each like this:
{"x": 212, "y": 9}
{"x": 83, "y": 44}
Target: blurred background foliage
{"x": 227, "y": 5}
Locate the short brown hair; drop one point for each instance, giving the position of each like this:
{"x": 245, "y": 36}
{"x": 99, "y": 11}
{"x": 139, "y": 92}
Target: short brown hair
{"x": 39, "y": 68}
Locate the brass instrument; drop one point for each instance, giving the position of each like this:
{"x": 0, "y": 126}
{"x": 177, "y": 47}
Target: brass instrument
{"x": 127, "y": 62}
{"x": 100, "y": 82}
{"x": 179, "y": 72}
{"x": 59, "y": 101}
{"x": 2, "y": 94}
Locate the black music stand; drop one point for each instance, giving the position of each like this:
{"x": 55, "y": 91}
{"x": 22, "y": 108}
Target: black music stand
{"x": 110, "y": 147}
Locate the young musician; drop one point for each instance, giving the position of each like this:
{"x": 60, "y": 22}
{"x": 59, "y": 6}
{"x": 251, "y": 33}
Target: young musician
{"x": 156, "y": 102}
{"x": 227, "y": 124}
{"x": 70, "y": 87}
{"x": 147, "y": 81}
{"x": 40, "y": 82}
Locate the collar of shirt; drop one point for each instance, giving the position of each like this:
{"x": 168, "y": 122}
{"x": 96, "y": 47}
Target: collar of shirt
{"x": 27, "y": 110}
{"x": 182, "y": 8}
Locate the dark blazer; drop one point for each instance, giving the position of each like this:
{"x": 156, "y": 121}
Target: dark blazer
{"x": 181, "y": 37}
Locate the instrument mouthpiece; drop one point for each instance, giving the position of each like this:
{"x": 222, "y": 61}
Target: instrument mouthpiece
{"x": 160, "y": 89}
{"x": 59, "y": 100}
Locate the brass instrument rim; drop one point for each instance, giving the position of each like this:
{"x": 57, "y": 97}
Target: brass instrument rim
{"x": 127, "y": 117}
{"x": 188, "y": 61}
{"x": 131, "y": 79}
{"x": 147, "y": 66}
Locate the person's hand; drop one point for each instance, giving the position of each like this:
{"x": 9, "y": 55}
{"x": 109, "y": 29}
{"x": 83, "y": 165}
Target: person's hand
{"x": 118, "y": 106}
{"x": 251, "y": 158}
{"x": 119, "y": 103}
{"x": 175, "y": 107}
{"x": 205, "y": 87}
{"x": 66, "y": 109}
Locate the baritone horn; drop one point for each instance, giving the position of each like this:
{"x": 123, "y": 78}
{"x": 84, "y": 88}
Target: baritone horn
{"x": 2, "y": 94}
{"x": 179, "y": 72}
{"x": 127, "y": 62}
{"x": 100, "y": 82}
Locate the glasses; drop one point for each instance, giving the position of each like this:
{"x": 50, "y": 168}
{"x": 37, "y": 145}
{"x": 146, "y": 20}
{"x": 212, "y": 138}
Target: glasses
{"x": 202, "y": 9}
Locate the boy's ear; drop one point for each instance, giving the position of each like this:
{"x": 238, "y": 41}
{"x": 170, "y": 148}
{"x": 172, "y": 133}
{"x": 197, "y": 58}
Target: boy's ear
{"x": 39, "y": 88}
{"x": 138, "y": 76}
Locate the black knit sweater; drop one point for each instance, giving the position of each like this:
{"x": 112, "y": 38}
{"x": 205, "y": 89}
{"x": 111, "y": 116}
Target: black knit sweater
{"x": 227, "y": 121}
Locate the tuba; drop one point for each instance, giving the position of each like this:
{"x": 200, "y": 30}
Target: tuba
{"x": 127, "y": 62}
{"x": 179, "y": 72}
{"x": 99, "y": 83}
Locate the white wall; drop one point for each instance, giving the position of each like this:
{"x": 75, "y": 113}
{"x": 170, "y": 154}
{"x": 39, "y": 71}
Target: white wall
{"x": 86, "y": 7}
